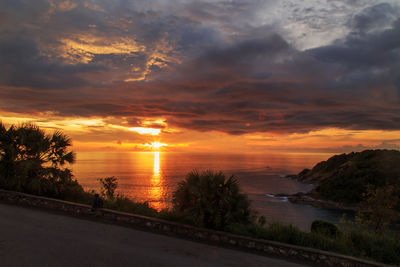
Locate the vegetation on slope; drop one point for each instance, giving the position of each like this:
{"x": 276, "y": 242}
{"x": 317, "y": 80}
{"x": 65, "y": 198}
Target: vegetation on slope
{"x": 345, "y": 178}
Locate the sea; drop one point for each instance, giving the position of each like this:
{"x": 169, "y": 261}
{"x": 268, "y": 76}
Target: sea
{"x": 152, "y": 177}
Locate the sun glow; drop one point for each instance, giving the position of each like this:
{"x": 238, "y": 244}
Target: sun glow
{"x": 157, "y": 145}
{"x": 143, "y": 130}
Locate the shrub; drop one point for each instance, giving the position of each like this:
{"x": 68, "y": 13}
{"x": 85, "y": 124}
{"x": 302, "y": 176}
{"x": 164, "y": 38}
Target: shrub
{"x": 290, "y": 234}
{"x": 124, "y": 204}
{"x": 379, "y": 208}
{"x": 109, "y": 185}
{"x": 121, "y": 202}
{"x": 382, "y": 248}
{"x": 325, "y": 228}
{"x": 212, "y": 200}
{"x": 173, "y": 215}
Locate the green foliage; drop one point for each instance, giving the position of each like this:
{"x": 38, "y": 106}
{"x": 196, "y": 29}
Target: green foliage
{"x": 345, "y": 178}
{"x": 34, "y": 162}
{"x": 261, "y": 221}
{"x": 346, "y": 187}
{"x": 383, "y": 247}
{"x": 353, "y": 241}
{"x": 285, "y": 233}
{"x": 289, "y": 234}
{"x": 175, "y": 216}
{"x": 121, "y": 202}
{"x": 326, "y": 167}
{"x": 325, "y": 228}
{"x": 76, "y": 193}
{"x": 379, "y": 208}
{"x": 109, "y": 185}
{"x": 124, "y": 204}
{"x": 212, "y": 200}
{"x": 374, "y": 247}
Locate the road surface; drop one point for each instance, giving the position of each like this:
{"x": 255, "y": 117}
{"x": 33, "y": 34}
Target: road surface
{"x": 30, "y": 237}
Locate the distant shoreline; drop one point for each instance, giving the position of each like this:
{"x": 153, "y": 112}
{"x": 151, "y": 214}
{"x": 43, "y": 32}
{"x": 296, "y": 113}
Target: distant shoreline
{"x": 306, "y": 199}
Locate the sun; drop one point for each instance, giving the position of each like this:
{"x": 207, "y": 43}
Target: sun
{"x": 157, "y": 145}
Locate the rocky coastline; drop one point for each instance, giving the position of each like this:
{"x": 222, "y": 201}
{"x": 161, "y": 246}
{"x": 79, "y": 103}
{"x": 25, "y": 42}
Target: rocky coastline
{"x": 310, "y": 199}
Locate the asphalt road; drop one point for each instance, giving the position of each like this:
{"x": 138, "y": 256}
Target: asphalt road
{"x": 30, "y": 237}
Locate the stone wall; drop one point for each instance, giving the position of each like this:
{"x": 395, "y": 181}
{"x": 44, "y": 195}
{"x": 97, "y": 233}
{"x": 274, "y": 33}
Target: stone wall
{"x": 185, "y": 231}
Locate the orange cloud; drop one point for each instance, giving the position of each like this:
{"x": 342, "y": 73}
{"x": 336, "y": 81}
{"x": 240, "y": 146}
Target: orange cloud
{"x": 99, "y": 134}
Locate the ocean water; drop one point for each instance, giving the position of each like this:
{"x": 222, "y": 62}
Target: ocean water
{"x": 153, "y": 176}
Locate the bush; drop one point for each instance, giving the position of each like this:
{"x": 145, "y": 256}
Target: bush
{"x": 290, "y": 234}
{"x": 124, "y": 204}
{"x": 212, "y": 200}
{"x": 382, "y": 248}
{"x": 379, "y": 208}
{"x": 325, "y": 228}
{"x": 109, "y": 185}
{"x": 173, "y": 215}
{"x": 121, "y": 202}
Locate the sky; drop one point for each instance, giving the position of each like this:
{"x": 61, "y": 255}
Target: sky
{"x": 252, "y": 76}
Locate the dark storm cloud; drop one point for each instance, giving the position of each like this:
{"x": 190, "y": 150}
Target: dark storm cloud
{"x": 22, "y": 66}
{"x": 34, "y": 43}
{"x": 375, "y": 17}
{"x": 243, "y": 52}
{"x": 366, "y": 51}
{"x": 200, "y": 67}
{"x": 367, "y": 64}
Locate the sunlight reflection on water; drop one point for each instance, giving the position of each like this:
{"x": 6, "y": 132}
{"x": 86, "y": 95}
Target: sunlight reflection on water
{"x": 156, "y": 188}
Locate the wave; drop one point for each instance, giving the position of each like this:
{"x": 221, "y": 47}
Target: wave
{"x": 280, "y": 198}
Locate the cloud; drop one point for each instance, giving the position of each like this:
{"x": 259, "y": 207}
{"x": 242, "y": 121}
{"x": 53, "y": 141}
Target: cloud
{"x": 356, "y": 148}
{"x": 375, "y": 18}
{"x": 22, "y": 66}
{"x": 212, "y": 66}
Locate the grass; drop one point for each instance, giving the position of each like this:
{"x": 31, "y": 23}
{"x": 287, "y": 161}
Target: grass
{"x": 277, "y": 231}
{"x": 383, "y": 248}
{"x": 124, "y": 204}
{"x": 353, "y": 241}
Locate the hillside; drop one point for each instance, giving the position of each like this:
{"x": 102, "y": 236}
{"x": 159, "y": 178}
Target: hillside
{"x": 344, "y": 178}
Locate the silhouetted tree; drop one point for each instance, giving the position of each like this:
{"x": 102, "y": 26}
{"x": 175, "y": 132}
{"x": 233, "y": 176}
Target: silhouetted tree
{"x": 109, "y": 185}
{"x": 213, "y": 200}
{"x": 31, "y": 160}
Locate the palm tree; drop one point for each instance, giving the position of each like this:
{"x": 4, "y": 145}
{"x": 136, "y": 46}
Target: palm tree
{"x": 30, "y": 158}
{"x": 213, "y": 200}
